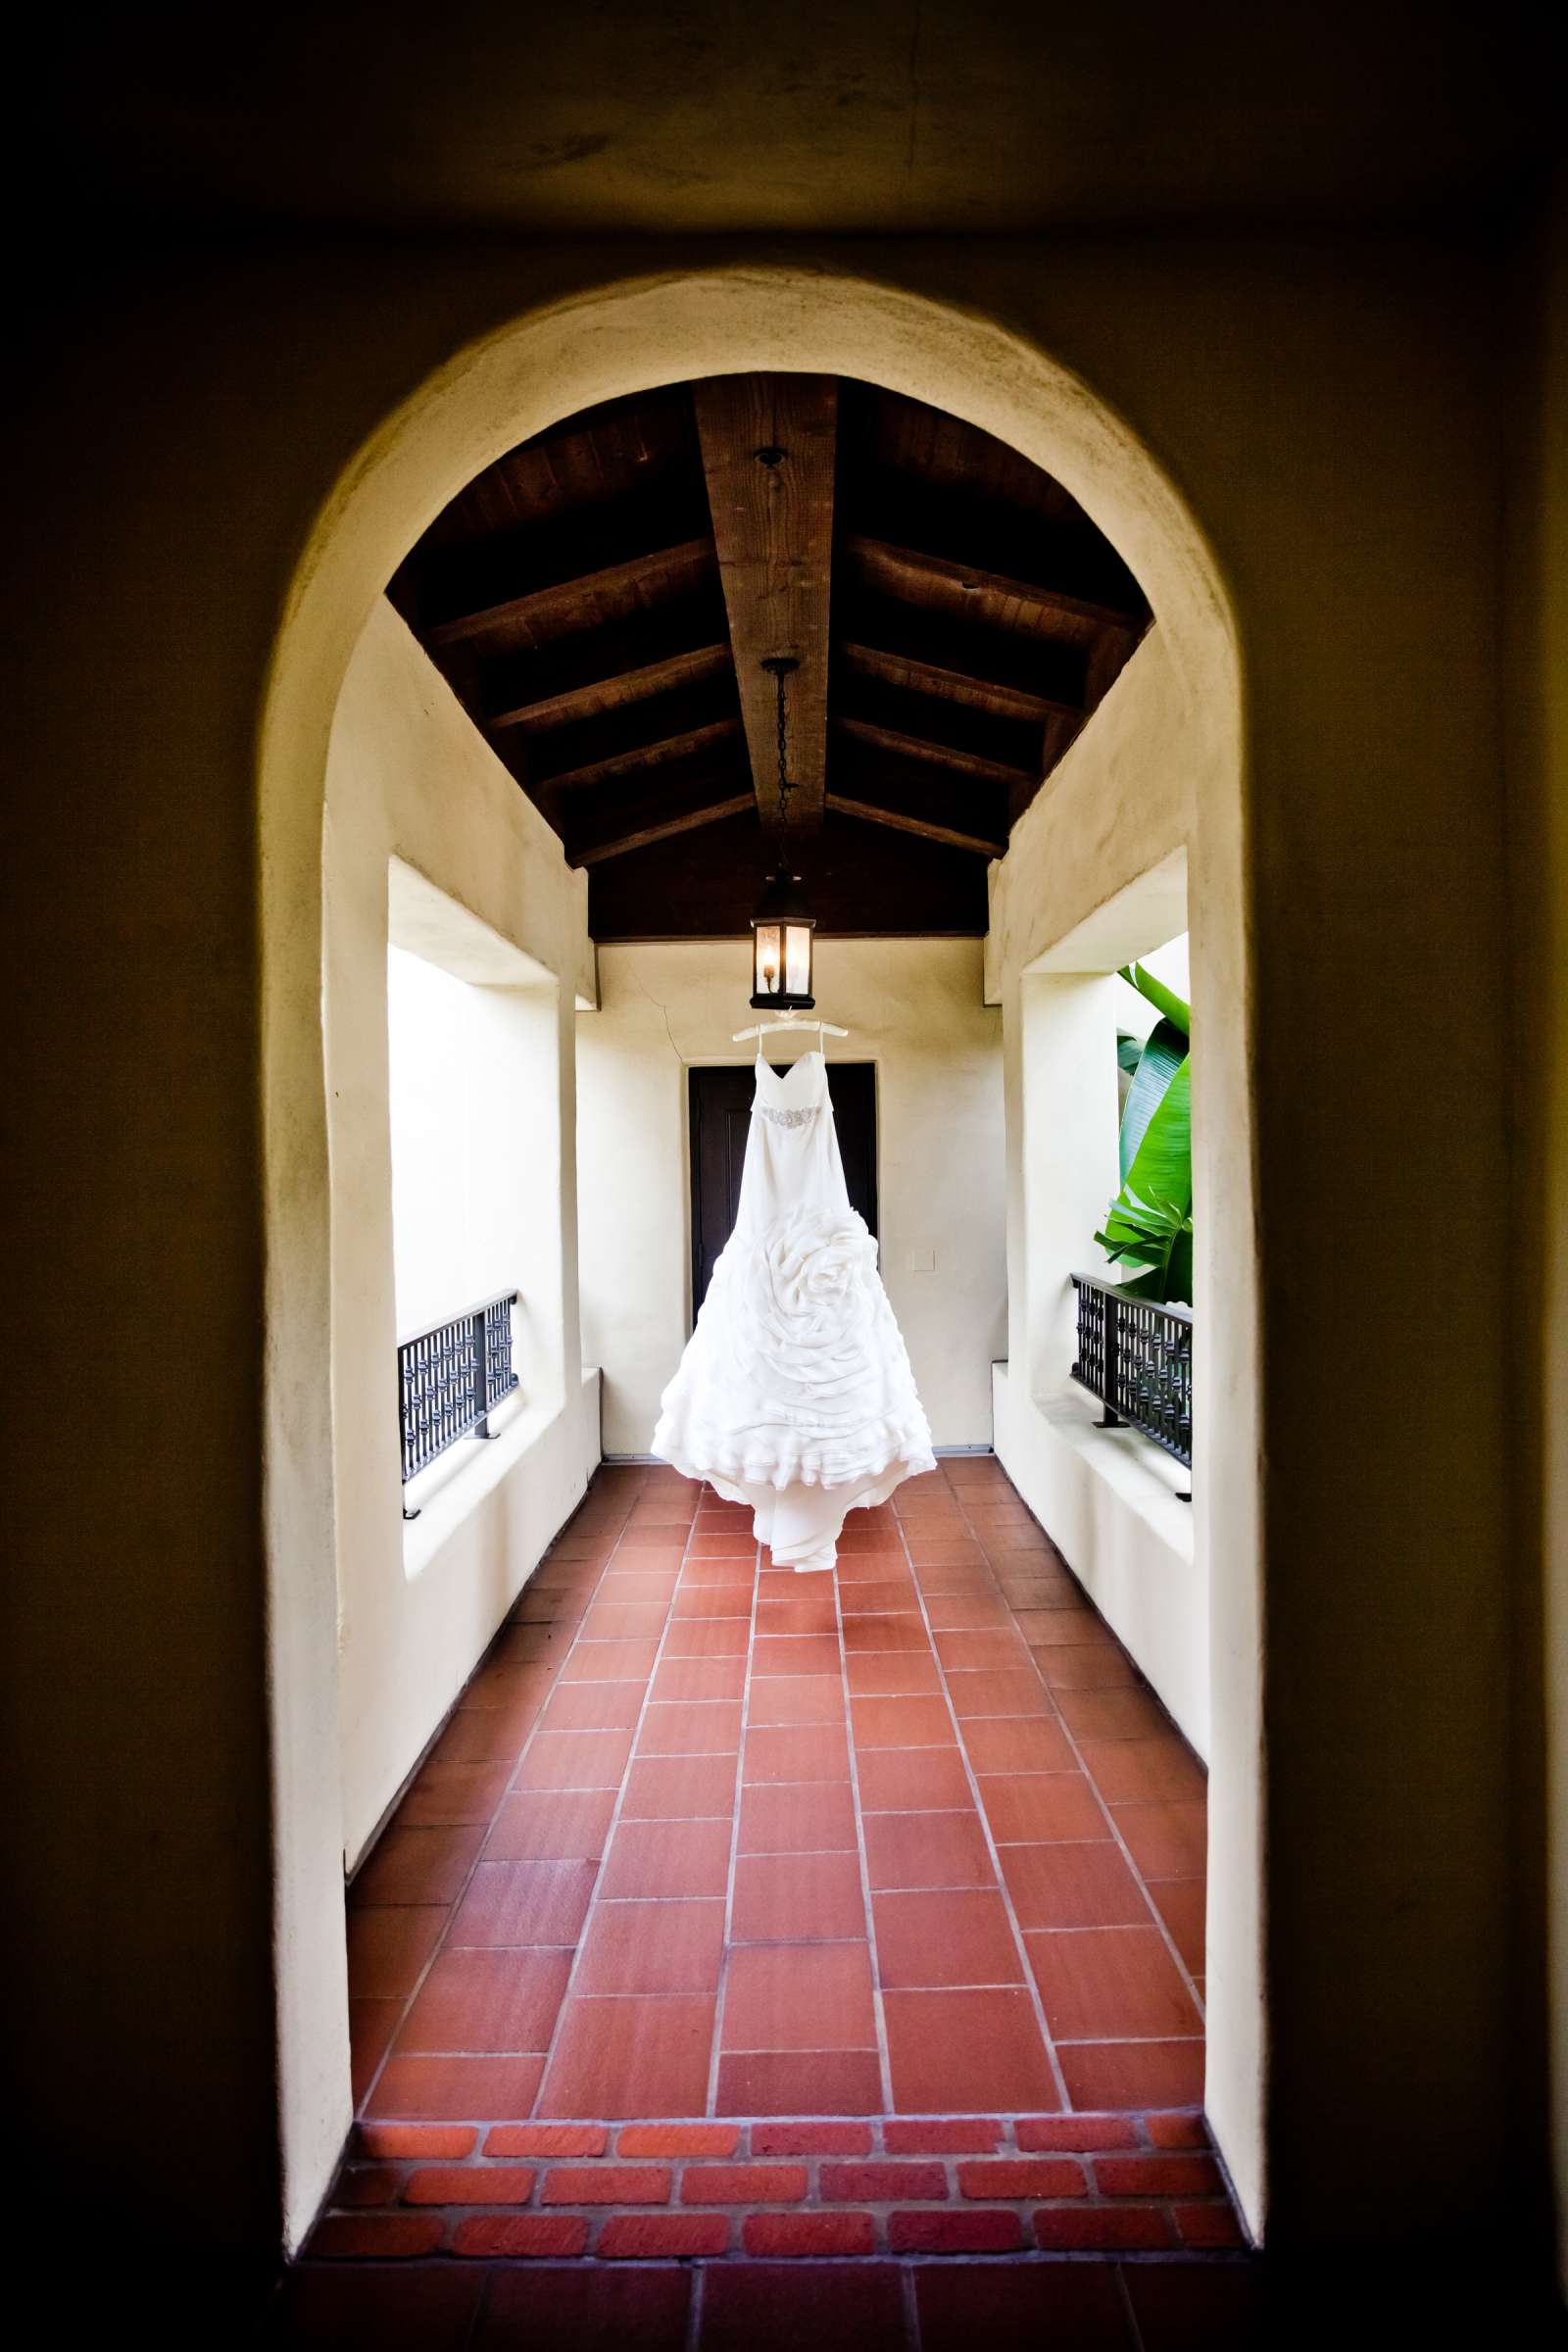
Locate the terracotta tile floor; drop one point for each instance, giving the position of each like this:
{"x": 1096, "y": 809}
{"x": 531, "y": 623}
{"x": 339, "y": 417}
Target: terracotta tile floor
{"x": 740, "y": 1914}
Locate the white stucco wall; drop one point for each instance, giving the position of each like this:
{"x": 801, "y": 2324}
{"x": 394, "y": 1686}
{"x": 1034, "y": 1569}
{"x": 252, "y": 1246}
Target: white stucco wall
{"x": 915, "y": 1007}
{"x": 410, "y": 785}
{"x": 460, "y": 1133}
{"x": 1095, "y": 875}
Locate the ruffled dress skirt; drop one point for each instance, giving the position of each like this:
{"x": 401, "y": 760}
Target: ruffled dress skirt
{"x": 794, "y": 1394}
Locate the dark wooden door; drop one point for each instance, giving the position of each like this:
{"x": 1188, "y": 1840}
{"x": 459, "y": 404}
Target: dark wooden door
{"x": 721, "y": 1117}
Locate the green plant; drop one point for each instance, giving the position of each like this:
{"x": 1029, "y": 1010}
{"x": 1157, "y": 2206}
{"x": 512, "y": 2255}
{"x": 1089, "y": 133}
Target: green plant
{"x": 1150, "y": 1223}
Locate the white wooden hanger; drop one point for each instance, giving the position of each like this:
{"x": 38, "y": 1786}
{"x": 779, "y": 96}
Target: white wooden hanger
{"x": 787, "y": 1020}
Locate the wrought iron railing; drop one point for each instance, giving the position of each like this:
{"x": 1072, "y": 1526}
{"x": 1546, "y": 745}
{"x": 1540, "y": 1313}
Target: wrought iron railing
{"x": 1136, "y": 1358}
{"x": 449, "y": 1378}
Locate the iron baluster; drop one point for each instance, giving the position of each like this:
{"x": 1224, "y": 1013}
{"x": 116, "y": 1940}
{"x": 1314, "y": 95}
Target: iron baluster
{"x": 1136, "y": 1355}
{"x": 449, "y": 1379}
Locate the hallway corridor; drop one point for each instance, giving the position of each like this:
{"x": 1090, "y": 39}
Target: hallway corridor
{"x": 736, "y": 1913}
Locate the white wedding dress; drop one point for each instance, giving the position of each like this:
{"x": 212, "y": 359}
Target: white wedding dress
{"x": 794, "y": 1394}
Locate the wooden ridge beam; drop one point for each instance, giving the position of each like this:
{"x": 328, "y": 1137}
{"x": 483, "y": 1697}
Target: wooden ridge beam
{"x": 769, "y": 446}
{"x": 665, "y": 828}
{"x": 901, "y": 820}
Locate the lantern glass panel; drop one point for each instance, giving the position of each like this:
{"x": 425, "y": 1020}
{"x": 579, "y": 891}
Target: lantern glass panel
{"x": 797, "y": 959}
{"x": 768, "y": 960}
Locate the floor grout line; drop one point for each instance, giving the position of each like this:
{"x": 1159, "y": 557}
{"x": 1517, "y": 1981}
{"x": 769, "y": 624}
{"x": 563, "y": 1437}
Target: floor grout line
{"x": 1032, "y": 1986}
{"x": 1143, "y": 1885}
{"x": 613, "y": 1823}
{"x": 878, "y": 2006}
{"x": 455, "y": 1906}
{"x": 715, "y": 2054}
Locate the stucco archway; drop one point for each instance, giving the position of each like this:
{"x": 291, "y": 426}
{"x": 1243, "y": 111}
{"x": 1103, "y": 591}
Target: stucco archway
{"x": 623, "y": 336}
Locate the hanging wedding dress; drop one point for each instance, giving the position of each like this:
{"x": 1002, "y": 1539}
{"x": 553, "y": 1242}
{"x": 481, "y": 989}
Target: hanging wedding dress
{"x": 794, "y": 1394}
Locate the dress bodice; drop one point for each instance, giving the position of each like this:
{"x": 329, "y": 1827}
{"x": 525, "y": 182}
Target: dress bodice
{"x": 793, "y": 1099}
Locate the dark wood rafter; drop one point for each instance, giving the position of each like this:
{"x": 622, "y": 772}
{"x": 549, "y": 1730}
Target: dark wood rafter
{"x": 604, "y": 598}
{"x": 559, "y": 601}
{"x": 906, "y": 570}
{"x": 953, "y": 685}
{"x": 659, "y": 828}
{"x": 954, "y": 735}
{"x": 1021, "y": 678}
{"x": 769, "y": 445}
{"x": 606, "y": 668}
{"x": 1065, "y": 551}
{"x": 940, "y": 754}
{"x": 901, "y": 820}
{"x": 643, "y": 755}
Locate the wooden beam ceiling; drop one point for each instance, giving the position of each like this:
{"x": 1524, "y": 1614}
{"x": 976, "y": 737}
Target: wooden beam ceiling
{"x": 768, "y": 445}
{"x": 604, "y": 598}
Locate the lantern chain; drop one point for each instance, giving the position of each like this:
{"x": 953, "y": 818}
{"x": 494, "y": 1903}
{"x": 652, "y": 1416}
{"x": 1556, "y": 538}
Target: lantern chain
{"x": 780, "y": 666}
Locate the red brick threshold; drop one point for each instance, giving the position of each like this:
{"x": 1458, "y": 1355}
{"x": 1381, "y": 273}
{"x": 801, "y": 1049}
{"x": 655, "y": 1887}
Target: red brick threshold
{"x": 770, "y": 2189}
{"x": 1138, "y": 2303}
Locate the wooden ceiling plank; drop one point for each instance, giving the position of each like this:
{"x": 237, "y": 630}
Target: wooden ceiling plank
{"x": 773, "y": 531}
{"x": 654, "y": 568}
{"x": 660, "y": 829}
{"x": 898, "y": 820}
{"x": 939, "y": 755}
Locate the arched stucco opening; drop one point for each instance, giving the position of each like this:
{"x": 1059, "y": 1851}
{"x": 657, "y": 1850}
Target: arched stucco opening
{"x": 624, "y": 336}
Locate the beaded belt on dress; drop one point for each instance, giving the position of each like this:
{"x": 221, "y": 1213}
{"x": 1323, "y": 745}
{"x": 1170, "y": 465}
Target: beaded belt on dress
{"x": 787, "y": 1118}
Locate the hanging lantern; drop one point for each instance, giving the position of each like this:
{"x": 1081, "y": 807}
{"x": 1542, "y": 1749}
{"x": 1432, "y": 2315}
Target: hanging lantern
{"x": 783, "y": 924}
{"x": 782, "y": 945}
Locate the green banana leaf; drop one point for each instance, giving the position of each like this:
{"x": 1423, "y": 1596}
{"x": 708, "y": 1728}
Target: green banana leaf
{"x": 1164, "y": 1000}
{"x": 1150, "y": 1223}
{"x": 1164, "y": 1052}
{"x": 1129, "y": 1050}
